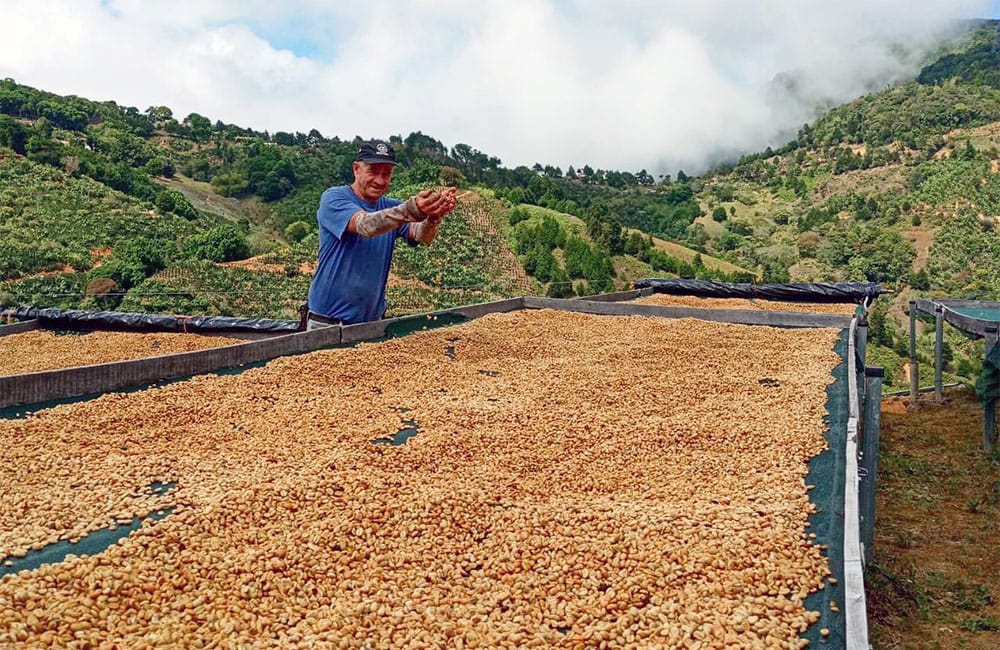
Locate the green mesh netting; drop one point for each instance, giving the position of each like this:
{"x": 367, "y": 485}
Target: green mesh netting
{"x": 979, "y": 313}
{"x": 826, "y": 473}
{"x": 93, "y": 543}
{"x": 411, "y": 324}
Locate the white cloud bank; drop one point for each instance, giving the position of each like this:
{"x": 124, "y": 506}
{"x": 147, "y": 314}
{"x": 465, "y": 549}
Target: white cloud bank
{"x": 659, "y": 85}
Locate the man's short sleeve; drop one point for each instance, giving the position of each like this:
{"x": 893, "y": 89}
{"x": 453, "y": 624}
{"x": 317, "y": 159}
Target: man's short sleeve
{"x": 335, "y": 211}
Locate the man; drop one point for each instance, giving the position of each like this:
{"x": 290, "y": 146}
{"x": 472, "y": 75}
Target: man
{"x": 358, "y": 228}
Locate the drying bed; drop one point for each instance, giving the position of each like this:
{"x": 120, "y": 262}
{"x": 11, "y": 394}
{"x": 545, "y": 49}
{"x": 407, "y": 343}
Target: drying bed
{"x": 573, "y": 479}
{"x": 40, "y": 350}
{"x": 670, "y": 300}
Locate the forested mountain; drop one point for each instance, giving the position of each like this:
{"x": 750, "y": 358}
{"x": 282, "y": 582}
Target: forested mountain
{"x": 108, "y": 206}
{"x": 116, "y": 177}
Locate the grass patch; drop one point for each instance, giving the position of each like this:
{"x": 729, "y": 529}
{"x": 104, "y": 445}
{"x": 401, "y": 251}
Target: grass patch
{"x": 933, "y": 581}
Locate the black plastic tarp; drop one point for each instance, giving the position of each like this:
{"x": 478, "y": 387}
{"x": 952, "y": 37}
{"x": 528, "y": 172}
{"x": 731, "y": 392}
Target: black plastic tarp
{"x": 854, "y": 292}
{"x": 74, "y": 319}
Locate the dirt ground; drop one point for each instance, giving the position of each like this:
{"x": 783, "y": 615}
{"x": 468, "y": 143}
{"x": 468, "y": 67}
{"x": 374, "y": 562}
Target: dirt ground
{"x": 935, "y": 577}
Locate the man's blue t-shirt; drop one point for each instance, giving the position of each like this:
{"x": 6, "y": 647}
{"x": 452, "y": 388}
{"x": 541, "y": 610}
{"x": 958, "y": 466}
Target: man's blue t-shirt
{"x": 349, "y": 284}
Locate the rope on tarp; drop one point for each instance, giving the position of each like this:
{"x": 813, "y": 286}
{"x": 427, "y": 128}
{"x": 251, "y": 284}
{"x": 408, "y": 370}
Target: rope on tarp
{"x": 80, "y": 319}
{"x": 850, "y": 292}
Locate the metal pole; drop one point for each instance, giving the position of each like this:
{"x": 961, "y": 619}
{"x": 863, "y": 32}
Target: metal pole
{"x": 938, "y": 362}
{"x": 862, "y": 343}
{"x": 862, "y": 340}
{"x": 989, "y": 409}
{"x": 914, "y": 366}
{"x": 869, "y": 457}
{"x": 990, "y": 426}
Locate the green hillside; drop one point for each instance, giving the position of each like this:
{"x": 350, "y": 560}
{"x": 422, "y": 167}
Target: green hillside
{"x": 900, "y": 187}
{"x": 139, "y": 210}
{"x": 569, "y": 257}
{"x": 106, "y": 205}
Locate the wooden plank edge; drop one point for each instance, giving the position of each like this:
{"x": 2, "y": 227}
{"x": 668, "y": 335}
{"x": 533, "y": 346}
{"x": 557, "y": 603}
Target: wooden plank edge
{"x": 20, "y": 327}
{"x": 856, "y": 616}
{"x": 63, "y": 383}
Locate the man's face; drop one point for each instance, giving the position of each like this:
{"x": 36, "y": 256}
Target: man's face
{"x": 371, "y": 181}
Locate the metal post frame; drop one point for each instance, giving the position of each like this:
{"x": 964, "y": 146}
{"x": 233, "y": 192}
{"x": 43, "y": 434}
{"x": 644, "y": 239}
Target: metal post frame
{"x": 914, "y": 366}
{"x": 862, "y": 350}
{"x": 869, "y": 457}
{"x": 938, "y": 354}
{"x": 990, "y": 426}
{"x": 989, "y": 411}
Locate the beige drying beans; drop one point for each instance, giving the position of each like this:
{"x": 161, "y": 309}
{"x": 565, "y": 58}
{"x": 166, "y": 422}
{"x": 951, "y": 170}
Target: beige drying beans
{"x": 668, "y": 300}
{"x": 577, "y": 481}
{"x": 39, "y": 350}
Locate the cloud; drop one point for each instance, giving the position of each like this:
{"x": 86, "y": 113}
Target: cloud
{"x": 636, "y": 84}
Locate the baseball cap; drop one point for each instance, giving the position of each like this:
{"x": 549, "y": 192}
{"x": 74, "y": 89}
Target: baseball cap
{"x": 375, "y": 152}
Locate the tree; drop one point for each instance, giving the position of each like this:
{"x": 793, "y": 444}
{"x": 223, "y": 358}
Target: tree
{"x": 199, "y": 169}
{"x": 452, "y": 176}
{"x": 968, "y": 152}
{"x": 174, "y": 201}
{"x": 297, "y": 231}
{"x": 132, "y": 261}
{"x": 599, "y": 271}
{"x": 42, "y": 128}
{"x": 42, "y": 150}
{"x": 808, "y": 243}
{"x": 576, "y": 253}
{"x": 165, "y": 201}
{"x": 230, "y": 183}
{"x": 159, "y": 115}
{"x": 199, "y": 126}
{"x": 269, "y": 175}
{"x": 635, "y": 244}
{"x": 517, "y": 215}
{"x": 920, "y": 280}
{"x": 160, "y": 167}
{"x": 220, "y": 244}
{"x": 730, "y": 242}
{"x": 13, "y": 135}
{"x": 560, "y": 285}
{"x": 130, "y": 150}
{"x": 314, "y": 138}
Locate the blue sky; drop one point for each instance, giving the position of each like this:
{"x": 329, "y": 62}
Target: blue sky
{"x": 632, "y": 84}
